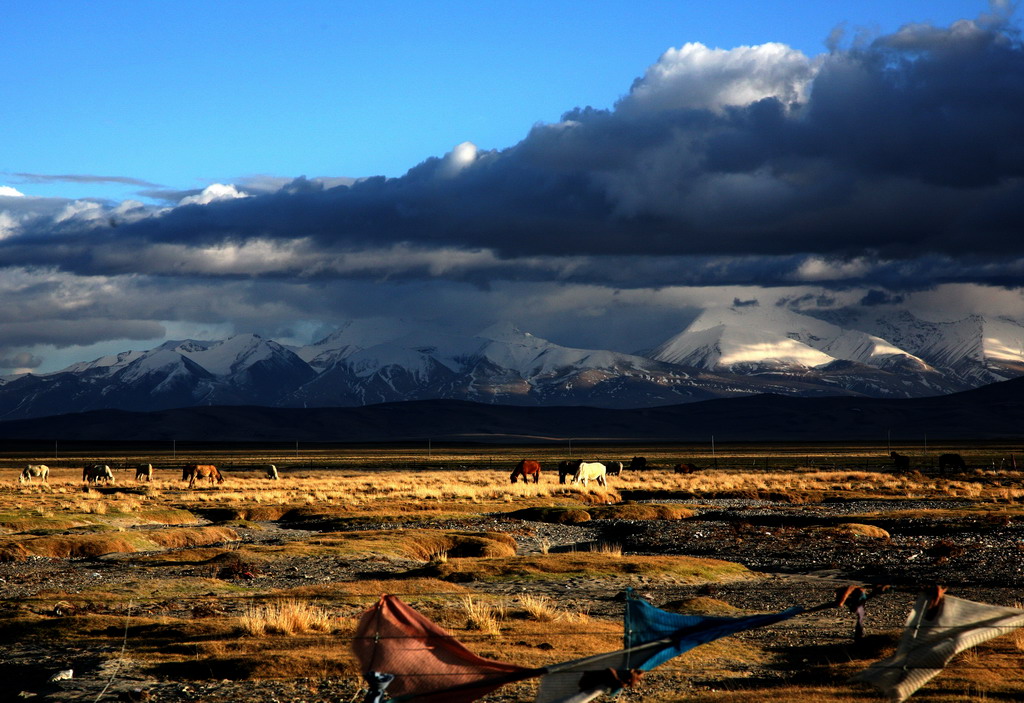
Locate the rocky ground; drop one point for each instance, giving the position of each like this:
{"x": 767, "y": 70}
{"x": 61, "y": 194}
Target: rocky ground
{"x": 802, "y": 562}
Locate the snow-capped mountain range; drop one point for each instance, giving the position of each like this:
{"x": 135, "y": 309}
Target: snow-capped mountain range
{"x": 724, "y": 352}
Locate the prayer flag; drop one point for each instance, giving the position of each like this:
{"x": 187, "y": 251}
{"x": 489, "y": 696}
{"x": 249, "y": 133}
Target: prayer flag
{"x": 645, "y": 623}
{"x": 426, "y": 663}
{"x": 933, "y": 635}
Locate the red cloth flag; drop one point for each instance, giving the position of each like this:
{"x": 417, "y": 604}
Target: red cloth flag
{"x": 428, "y": 664}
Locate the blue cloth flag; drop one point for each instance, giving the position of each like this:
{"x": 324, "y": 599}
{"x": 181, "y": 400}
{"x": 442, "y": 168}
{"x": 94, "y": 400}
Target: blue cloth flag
{"x": 645, "y": 623}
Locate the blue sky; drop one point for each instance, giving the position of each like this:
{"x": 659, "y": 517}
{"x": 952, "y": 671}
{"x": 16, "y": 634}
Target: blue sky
{"x": 183, "y": 94}
{"x": 596, "y": 172}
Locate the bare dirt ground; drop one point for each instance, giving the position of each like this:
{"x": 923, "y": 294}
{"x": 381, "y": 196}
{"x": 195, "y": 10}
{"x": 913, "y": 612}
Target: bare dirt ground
{"x": 801, "y": 563}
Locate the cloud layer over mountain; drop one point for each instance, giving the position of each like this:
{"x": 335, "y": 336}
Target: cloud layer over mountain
{"x": 886, "y": 167}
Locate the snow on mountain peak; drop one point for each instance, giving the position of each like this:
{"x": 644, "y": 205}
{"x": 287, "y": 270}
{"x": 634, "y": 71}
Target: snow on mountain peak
{"x": 231, "y": 355}
{"x": 105, "y": 362}
{"x": 721, "y": 338}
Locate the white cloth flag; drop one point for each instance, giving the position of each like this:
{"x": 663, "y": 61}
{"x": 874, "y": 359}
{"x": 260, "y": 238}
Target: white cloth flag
{"x": 583, "y": 680}
{"x": 930, "y": 640}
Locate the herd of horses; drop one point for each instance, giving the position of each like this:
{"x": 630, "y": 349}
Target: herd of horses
{"x": 579, "y": 471}
{"x": 575, "y": 471}
{"x": 947, "y": 463}
{"x": 102, "y": 473}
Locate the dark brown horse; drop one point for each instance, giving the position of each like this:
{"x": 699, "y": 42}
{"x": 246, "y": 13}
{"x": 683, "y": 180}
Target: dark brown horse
{"x": 900, "y": 462}
{"x": 953, "y": 462}
{"x": 526, "y": 468}
{"x": 193, "y": 472}
{"x": 686, "y": 468}
{"x": 567, "y": 469}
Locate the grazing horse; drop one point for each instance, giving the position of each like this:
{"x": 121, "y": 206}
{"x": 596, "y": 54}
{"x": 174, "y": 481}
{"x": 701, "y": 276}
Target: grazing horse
{"x": 589, "y": 470}
{"x": 951, "y": 461}
{"x": 567, "y": 469}
{"x": 686, "y": 468}
{"x": 638, "y": 463}
{"x": 271, "y": 472}
{"x": 97, "y": 473}
{"x": 526, "y": 468}
{"x": 192, "y": 472}
{"x": 614, "y": 467}
{"x": 144, "y": 472}
{"x": 40, "y": 471}
{"x": 901, "y": 462}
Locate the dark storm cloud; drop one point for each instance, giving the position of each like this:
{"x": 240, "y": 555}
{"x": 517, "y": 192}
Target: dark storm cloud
{"x": 20, "y": 360}
{"x": 78, "y": 331}
{"x": 880, "y": 297}
{"x": 899, "y": 161}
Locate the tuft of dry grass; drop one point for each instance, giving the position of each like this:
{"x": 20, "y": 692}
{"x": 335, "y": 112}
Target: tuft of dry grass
{"x": 608, "y": 549}
{"x": 481, "y": 616}
{"x": 285, "y": 617}
{"x": 539, "y": 608}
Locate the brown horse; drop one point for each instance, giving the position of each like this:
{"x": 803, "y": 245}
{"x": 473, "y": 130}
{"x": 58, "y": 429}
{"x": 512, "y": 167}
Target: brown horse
{"x": 686, "y": 468}
{"x": 526, "y": 468}
{"x": 192, "y": 472}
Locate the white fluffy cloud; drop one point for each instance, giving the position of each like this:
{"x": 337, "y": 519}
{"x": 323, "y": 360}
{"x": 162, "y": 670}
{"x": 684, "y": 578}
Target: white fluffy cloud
{"x": 697, "y": 77}
{"x": 457, "y": 159}
{"x": 213, "y": 193}
{"x": 9, "y": 192}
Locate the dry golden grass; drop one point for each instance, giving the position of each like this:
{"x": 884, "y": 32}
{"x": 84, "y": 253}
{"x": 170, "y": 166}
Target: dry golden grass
{"x": 592, "y": 564}
{"x": 861, "y": 530}
{"x": 539, "y": 608}
{"x": 481, "y": 615}
{"x": 94, "y": 545}
{"x": 285, "y": 617}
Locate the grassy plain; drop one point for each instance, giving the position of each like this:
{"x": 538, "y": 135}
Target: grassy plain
{"x": 256, "y": 580}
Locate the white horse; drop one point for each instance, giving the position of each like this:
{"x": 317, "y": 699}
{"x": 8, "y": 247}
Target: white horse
{"x": 144, "y": 472}
{"x": 40, "y": 471}
{"x": 589, "y": 470}
{"x": 271, "y": 472}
